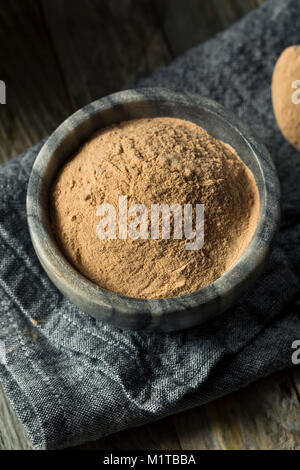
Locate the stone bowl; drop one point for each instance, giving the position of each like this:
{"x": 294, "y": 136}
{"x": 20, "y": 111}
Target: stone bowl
{"x": 164, "y": 314}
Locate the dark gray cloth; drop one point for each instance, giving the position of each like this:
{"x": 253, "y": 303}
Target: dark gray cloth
{"x": 71, "y": 378}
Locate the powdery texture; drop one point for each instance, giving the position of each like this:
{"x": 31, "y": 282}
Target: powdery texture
{"x": 161, "y": 160}
{"x": 287, "y": 113}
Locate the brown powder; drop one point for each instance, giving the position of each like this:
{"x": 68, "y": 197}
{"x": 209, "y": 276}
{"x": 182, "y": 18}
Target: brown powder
{"x": 161, "y": 160}
{"x": 287, "y": 111}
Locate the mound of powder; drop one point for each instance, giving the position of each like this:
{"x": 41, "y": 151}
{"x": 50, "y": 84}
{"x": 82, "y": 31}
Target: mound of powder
{"x": 286, "y": 94}
{"x": 154, "y": 161}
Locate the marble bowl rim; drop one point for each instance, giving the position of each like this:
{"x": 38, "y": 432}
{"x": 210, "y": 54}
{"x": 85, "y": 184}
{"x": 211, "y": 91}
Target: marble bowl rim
{"x": 250, "y": 261}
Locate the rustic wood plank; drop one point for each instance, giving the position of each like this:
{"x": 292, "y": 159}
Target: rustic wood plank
{"x": 265, "y": 415}
{"x": 36, "y": 99}
{"x": 188, "y": 23}
{"x": 36, "y": 104}
{"x": 160, "y": 435}
{"x": 295, "y": 373}
{"x": 12, "y": 433}
{"x": 233, "y": 10}
{"x": 104, "y": 46}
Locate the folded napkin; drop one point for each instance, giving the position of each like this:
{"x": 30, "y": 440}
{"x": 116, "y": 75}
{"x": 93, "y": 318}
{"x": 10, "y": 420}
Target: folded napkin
{"x": 71, "y": 378}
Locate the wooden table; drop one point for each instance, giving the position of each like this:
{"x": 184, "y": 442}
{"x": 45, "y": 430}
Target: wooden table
{"x": 58, "y": 55}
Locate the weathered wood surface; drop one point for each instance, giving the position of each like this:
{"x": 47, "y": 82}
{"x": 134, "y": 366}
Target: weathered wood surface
{"x": 12, "y": 434}
{"x": 57, "y": 56}
{"x": 104, "y": 46}
{"x": 185, "y": 23}
{"x": 264, "y": 415}
{"x": 160, "y": 435}
{"x": 36, "y": 98}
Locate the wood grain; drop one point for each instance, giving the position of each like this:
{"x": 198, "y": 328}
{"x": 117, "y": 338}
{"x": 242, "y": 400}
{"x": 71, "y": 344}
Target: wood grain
{"x": 12, "y": 434}
{"x": 295, "y": 377}
{"x": 160, "y": 435}
{"x": 265, "y": 415}
{"x": 104, "y": 46}
{"x": 36, "y": 99}
{"x": 187, "y": 23}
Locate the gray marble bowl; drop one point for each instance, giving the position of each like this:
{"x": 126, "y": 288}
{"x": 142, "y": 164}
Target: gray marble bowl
{"x": 165, "y": 314}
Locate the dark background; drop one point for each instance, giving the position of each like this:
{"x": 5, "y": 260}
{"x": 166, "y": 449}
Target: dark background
{"x": 58, "y": 55}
